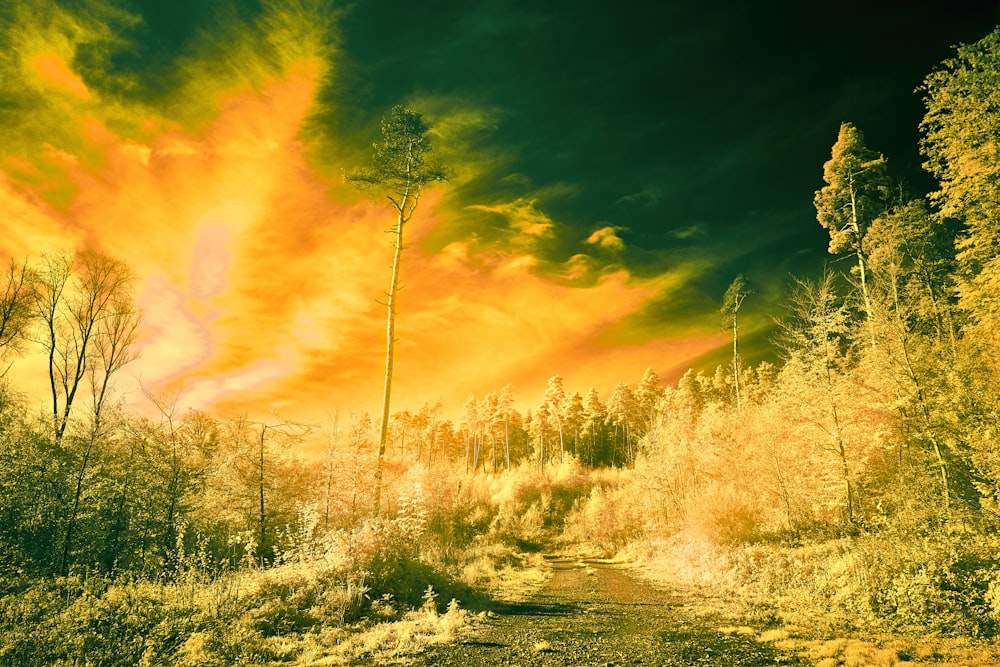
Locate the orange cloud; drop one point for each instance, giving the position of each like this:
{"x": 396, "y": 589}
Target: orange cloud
{"x": 54, "y": 72}
{"x": 259, "y": 280}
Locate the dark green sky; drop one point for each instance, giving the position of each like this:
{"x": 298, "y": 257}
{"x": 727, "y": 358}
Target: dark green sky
{"x": 697, "y": 128}
{"x": 700, "y": 127}
{"x": 647, "y": 152}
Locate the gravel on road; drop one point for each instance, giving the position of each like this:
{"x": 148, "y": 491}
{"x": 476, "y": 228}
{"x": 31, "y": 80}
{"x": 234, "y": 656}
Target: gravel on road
{"x": 594, "y": 613}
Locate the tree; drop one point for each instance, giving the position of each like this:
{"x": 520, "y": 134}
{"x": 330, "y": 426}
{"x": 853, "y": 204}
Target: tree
{"x": 961, "y": 130}
{"x": 176, "y": 453}
{"x": 400, "y": 171}
{"x": 573, "y": 417}
{"x": 919, "y": 334}
{"x": 856, "y": 192}
{"x": 89, "y": 319}
{"x": 265, "y": 482}
{"x": 15, "y": 309}
{"x": 85, "y": 306}
{"x": 621, "y": 414}
{"x": 555, "y": 400}
{"x": 505, "y": 408}
{"x": 648, "y": 395}
{"x": 732, "y": 301}
{"x": 471, "y": 426}
{"x": 489, "y": 411}
{"x": 594, "y": 416}
{"x": 817, "y": 343}
{"x": 913, "y": 253}
{"x": 257, "y": 479}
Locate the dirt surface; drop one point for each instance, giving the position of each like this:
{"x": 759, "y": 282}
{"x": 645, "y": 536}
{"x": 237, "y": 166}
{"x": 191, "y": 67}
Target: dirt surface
{"x": 592, "y": 613}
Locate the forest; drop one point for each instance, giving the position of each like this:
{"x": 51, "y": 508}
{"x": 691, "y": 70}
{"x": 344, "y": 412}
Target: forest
{"x": 855, "y": 482}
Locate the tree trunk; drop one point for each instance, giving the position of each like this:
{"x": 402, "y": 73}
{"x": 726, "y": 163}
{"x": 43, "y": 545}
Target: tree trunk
{"x": 736, "y": 359}
{"x": 390, "y": 344}
{"x": 260, "y": 488}
{"x": 506, "y": 442}
{"x": 862, "y": 269}
{"x": 839, "y": 440}
{"x": 75, "y": 510}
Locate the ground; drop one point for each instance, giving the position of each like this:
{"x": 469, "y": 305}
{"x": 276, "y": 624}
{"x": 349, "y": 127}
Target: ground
{"x": 597, "y": 613}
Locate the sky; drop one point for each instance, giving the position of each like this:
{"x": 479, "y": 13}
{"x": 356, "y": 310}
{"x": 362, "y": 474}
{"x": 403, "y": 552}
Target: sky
{"x": 613, "y": 166}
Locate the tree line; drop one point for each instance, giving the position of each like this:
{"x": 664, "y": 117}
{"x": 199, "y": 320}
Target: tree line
{"x": 884, "y": 408}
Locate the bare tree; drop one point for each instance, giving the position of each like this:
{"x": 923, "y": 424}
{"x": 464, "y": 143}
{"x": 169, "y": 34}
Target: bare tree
{"x": 15, "y": 309}
{"x": 816, "y": 342}
{"x": 89, "y": 323}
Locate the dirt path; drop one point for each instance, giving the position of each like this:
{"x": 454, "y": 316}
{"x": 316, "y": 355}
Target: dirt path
{"x": 591, "y": 613}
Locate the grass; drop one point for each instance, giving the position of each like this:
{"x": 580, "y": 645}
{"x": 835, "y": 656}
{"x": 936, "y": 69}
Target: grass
{"x": 926, "y": 593}
{"x": 822, "y": 599}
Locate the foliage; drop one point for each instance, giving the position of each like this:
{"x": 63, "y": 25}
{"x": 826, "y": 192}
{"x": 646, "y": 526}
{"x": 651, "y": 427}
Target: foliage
{"x": 960, "y": 128}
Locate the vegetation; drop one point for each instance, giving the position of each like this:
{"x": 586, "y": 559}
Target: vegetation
{"x": 855, "y": 485}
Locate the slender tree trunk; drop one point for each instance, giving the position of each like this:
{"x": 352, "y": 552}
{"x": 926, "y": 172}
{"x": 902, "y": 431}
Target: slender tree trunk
{"x": 628, "y": 443}
{"x": 75, "y": 509}
{"x": 400, "y": 170}
{"x": 925, "y": 413}
{"x": 390, "y": 344}
{"x": 331, "y": 451}
{"x": 929, "y": 426}
{"x": 260, "y": 489}
{"x": 839, "y": 441}
{"x": 118, "y": 527}
{"x": 845, "y": 470}
{"x": 506, "y": 442}
{"x": 782, "y": 487}
{"x": 862, "y": 268}
{"x": 56, "y": 431}
{"x": 736, "y": 359}
{"x": 468, "y": 449}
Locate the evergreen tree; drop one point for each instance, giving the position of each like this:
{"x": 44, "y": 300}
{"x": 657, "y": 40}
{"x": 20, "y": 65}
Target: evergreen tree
{"x": 856, "y": 192}
{"x": 732, "y": 301}
{"x": 648, "y": 395}
{"x": 400, "y": 170}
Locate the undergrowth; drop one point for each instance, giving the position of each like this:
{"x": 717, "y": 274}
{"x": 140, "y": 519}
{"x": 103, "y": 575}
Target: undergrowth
{"x": 938, "y": 578}
{"x": 378, "y": 588}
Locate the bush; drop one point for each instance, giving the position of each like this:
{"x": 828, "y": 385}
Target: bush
{"x": 107, "y": 624}
{"x": 945, "y": 583}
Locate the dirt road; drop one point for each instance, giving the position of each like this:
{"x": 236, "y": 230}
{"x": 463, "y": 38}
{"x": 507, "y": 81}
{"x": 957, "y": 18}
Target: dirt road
{"x": 591, "y": 613}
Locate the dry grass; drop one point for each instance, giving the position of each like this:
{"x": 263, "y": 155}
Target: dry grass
{"x": 888, "y": 651}
{"x": 713, "y": 585}
{"x": 385, "y": 643}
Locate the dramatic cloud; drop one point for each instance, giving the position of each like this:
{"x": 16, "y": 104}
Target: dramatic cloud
{"x": 259, "y": 275}
{"x": 205, "y": 144}
{"x": 522, "y": 216}
{"x": 607, "y": 237}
